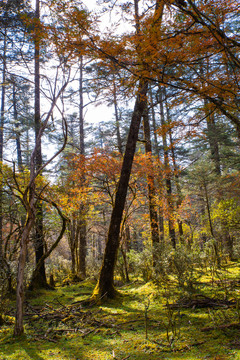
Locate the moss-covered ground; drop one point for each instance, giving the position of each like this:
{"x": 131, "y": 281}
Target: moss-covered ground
{"x": 139, "y": 324}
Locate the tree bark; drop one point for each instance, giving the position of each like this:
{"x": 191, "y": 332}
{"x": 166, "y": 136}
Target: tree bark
{"x": 54, "y": 245}
{"x": 176, "y": 176}
{"x": 18, "y": 329}
{"x": 1, "y": 136}
{"x": 40, "y": 280}
{"x": 82, "y": 209}
{"x": 17, "y": 134}
{"x": 72, "y": 243}
{"x": 156, "y": 147}
{"x": 212, "y": 137}
{"x": 28, "y": 200}
{"x": 105, "y": 284}
{"x": 167, "y": 174}
{"x": 119, "y": 139}
{"x": 151, "y": 187}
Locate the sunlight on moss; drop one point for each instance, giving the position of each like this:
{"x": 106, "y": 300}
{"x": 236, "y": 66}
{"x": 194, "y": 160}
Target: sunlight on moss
{"x": 118, "y": 327}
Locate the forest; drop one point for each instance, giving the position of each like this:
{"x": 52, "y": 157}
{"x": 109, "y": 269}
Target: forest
{"x": 119, "y": 179}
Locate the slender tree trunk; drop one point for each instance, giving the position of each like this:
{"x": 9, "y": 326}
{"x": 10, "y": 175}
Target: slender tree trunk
{"x": 2, "y": 115}
{"x": 179, "y": 193}
{"x": 168, "y": 175}
{"x": 176, "y": 170}
{"x": 105, "y": 285}
{"x": 215, "y": 245}
{"x": 72, "y": 241}
{"x": 82, "y": 243}
{"x": 117, "y": 119}
{"x": 212, "y": 137}
{"x": 18, "y": 329}
{"x": 160, "y": 210}
{"x": 123, "y": 251}
{"x": 154, "y": 126}
{"x": 151, "y": 188}
{"x": 82, "y": 209}
{"x": 40, "y": 279}
{"x": 17, "y": 124}
{"x": 229, "y": 245}
{"x": 28, "y": 199}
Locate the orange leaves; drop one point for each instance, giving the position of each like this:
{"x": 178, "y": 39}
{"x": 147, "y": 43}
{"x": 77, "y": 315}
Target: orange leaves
{"x": 37, "y": 29}
{"x": 99, "y": 165}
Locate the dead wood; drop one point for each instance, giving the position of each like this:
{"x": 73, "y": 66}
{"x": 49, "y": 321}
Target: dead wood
{"x": 45, "y": 338}
{"x": 90, "y": 331}
{"x": 222, "y": 327}
{"x": 64, "y": 319}
{"x": 200, "y": 301}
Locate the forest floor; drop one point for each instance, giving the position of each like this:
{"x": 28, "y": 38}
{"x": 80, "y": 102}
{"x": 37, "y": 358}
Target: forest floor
{"x": 146, "y": 322}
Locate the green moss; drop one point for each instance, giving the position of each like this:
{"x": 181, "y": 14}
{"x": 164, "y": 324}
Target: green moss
{"x": 117, "y": 327}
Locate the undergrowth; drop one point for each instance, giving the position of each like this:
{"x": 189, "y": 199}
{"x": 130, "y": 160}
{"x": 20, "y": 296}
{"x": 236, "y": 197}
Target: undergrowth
{"x": 148, "y": 321}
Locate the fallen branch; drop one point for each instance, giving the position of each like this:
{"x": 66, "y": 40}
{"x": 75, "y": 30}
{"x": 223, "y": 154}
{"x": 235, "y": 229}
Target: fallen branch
{"x": 90, "y": 331}
{"x": 222, "y": 327}
{"x": 200, "y": 301}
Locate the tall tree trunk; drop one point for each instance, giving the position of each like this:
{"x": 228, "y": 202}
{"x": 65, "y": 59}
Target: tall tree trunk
{"x": 40, "y": 279}
{"x": 2, "y": 115}
{"x": 176, "y": 171}
{"x": 82, "y": 209}
{"x": 125, "y": 265}
{"x": 212, "y": 136}
{"x": 72, "y": 243}
{"x": 167, "y": 174}
{"x": 156, "y": 146}
{"x": 151, "y": 187}
{"x": 105, "y": 285}
{"x": 29, "y": 203}
{"x": 117, "y": 119}
{"x": 82, "y": 243}
{"x": 179, "y": 193}
{"x": 17, "y": 134}
{"x": 18, "y": 329}
{"x": 154, "y": 126}
{"x": 215, "y": 245}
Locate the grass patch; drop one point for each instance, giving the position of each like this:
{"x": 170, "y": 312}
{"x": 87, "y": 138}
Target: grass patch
{"x": 139, "y": 324}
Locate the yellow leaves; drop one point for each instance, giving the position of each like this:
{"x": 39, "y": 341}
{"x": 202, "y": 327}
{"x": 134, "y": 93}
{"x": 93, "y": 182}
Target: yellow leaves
{"x": 13, "y": 180}
{"x": 228, "y": 211}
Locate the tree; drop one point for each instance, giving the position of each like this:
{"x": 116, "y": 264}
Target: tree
{"x": 168, "y": 171}
{"x": 105, "y": 285}
{"x": 39, "y": 279}
{"x": 151, "y": 187}
{"x": 11, "y": 31}
{"x": 30, "y": 199}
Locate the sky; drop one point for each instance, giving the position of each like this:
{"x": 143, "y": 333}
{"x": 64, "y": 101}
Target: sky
{"x": 92, "y": 114}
